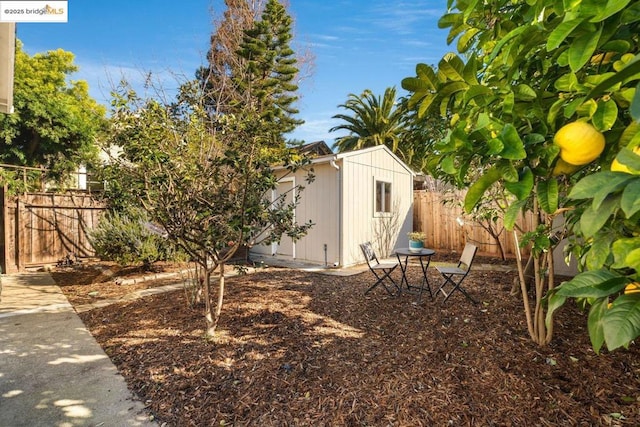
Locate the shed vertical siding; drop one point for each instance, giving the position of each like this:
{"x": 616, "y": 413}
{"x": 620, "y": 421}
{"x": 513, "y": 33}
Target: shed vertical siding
{"x": 340, "y": 202}
{"x": 319, "y": 203}
{"x": 361, "y": 170}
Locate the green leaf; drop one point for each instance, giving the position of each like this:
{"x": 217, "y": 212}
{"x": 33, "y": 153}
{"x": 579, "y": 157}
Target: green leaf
{"x": 587, "y": 187}
{"x": 608, "y": 189}
{"x": 414, "y": 84}
{"x": 634, "y": 109}
{"x": 611, "y": 7}
{"x": 592, "y": 284}
{"x": 629, "y": 134}
{"x": 622, "y": 322}
{"x": 606, "y": 115}
{"x": 553, "y": 112}
{"x": 494, "y": 146}
{"x": 470, "y": 71}
{"x": 525, "y": 93}
{"x": 451, "y": 88}
{"x": 622, "y": 249}
{"x": 523, "y": 187}
{"x": 476, "y": 91}
{"x": 449, "y": 19}
{"x": 513, "y": 146}
{"x": 582, "y": 49}
{"x": 548, "y": 195}
{"x": 426, "y": 73}
{"x": 507, "y": 171}
{"x": 478, "y": 188}
{"x": 533, "y": 138}
{"x": 466, "y": 40}
{"x": 620, "y": 46}
{"x": 425, "y": 104}
{"x": 631, "y": 14}
{"x": 560, "y": 33}
{"x": 630, "y": 70}
{"x": 571, "y": 107}
{"x": 630, "y": 202}
{"x": 596, "y": 323}
{"x": 593, "y": 219}
{"x": 599, "y": 252}
{"x": 507, "y": 103}
{"x": 448, "y": 166}
{"x": 452, "y": 67}
{"x": 504, "y": 40}
{"x": 512, "y": 213}
{"x": 587, "y": 108}
{"x": 554, "y": 302}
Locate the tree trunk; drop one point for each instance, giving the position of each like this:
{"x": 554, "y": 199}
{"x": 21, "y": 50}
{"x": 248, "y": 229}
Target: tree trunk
{"x": 220, "y": 296}
{"x": 213, "y": 315}
{"x": 208, "y": 313}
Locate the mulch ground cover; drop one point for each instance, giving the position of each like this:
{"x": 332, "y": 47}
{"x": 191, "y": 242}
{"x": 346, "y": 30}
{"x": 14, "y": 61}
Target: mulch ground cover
{"x": 307, "y": 349}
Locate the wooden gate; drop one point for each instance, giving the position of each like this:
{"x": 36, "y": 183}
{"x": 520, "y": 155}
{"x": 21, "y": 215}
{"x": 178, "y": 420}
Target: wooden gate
{"x": 44, "y": 228}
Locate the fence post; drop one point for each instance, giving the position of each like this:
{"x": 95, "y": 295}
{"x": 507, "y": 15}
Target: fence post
{"x": 4, "y": 229}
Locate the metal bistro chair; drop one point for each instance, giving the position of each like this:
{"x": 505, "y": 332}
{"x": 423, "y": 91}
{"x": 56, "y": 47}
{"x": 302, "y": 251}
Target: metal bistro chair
{"x": 454, "y": 276}
{"x": 382, "y": 271}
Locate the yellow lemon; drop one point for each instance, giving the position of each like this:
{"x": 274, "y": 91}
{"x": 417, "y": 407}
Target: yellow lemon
{"x": 564, "y": 168}
{"x": 616, "y": 166}
{"x": 580, "y": 143}
{"x": 632, "y": 288}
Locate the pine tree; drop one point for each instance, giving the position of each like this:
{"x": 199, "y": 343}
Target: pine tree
{"x": 252, "y": 68}
{"x": 270, "y": 84}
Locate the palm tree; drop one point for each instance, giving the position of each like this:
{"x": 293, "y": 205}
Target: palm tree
{"x": 374, "y": 121}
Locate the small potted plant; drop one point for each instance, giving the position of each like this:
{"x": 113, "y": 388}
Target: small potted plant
{"x": 416, "y": 240}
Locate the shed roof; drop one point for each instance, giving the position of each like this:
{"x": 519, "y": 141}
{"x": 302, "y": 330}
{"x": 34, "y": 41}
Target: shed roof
{"x": 339, "y": 156}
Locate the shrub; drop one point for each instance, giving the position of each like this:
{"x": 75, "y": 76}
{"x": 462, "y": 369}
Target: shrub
{"x": 125, "y": 238}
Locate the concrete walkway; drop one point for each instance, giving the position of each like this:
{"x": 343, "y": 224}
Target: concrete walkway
{"x": 52, "y": 371}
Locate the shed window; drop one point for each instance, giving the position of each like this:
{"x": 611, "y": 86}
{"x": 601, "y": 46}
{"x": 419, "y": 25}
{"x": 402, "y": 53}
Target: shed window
{"x": 383, "y": 197}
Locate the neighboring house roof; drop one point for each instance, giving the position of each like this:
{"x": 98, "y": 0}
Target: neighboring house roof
{"x": 313, "y": 149}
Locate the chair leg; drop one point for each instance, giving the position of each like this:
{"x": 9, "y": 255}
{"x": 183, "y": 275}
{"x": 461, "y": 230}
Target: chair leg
{"x": 381, "y": 281}
{"x": 456, "y": 286}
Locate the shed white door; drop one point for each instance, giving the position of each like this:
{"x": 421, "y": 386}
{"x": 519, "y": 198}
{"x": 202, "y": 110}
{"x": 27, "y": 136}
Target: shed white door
{"x": 286, "y": 246}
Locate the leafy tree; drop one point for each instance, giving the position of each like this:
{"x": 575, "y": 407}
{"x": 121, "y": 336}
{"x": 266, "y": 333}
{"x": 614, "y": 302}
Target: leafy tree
{"x": 205, "y": 174}
{"x": 374, "y": 120}
{"x": 531, "y": 68}
{"x": 420, "y": 134}
{"x": 204, "y": 180}
{"x": 56, "y": 123}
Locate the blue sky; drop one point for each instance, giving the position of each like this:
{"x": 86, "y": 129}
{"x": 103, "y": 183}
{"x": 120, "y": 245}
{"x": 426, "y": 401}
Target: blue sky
{"x": 356, "y": 44}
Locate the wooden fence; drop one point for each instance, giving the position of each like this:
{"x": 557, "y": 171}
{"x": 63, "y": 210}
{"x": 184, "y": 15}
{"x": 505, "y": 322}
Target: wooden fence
{"x": 44, "y": 228}
{"x": 447, "y": 227}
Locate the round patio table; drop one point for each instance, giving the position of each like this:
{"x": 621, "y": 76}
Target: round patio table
{"x": 422, "y": 255}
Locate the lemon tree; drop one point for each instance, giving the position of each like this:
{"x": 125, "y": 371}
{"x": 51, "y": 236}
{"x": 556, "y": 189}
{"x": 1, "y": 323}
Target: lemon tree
{"x": 541, "y": 96}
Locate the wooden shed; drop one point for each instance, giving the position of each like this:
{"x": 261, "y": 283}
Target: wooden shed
{"x": 357, "y": 196}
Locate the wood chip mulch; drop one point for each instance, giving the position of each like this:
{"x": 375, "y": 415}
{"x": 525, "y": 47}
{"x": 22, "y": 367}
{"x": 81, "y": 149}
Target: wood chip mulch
{"x": 307, "y": 349}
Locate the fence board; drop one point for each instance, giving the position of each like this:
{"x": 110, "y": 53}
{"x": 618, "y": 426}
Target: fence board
{"x": 439, "y": 221}
{"x": 43, "y": 228}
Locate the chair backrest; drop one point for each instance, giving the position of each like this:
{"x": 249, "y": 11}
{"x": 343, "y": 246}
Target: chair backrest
{"x": 468, "y": 254}
{"x": 369, "y": 253}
